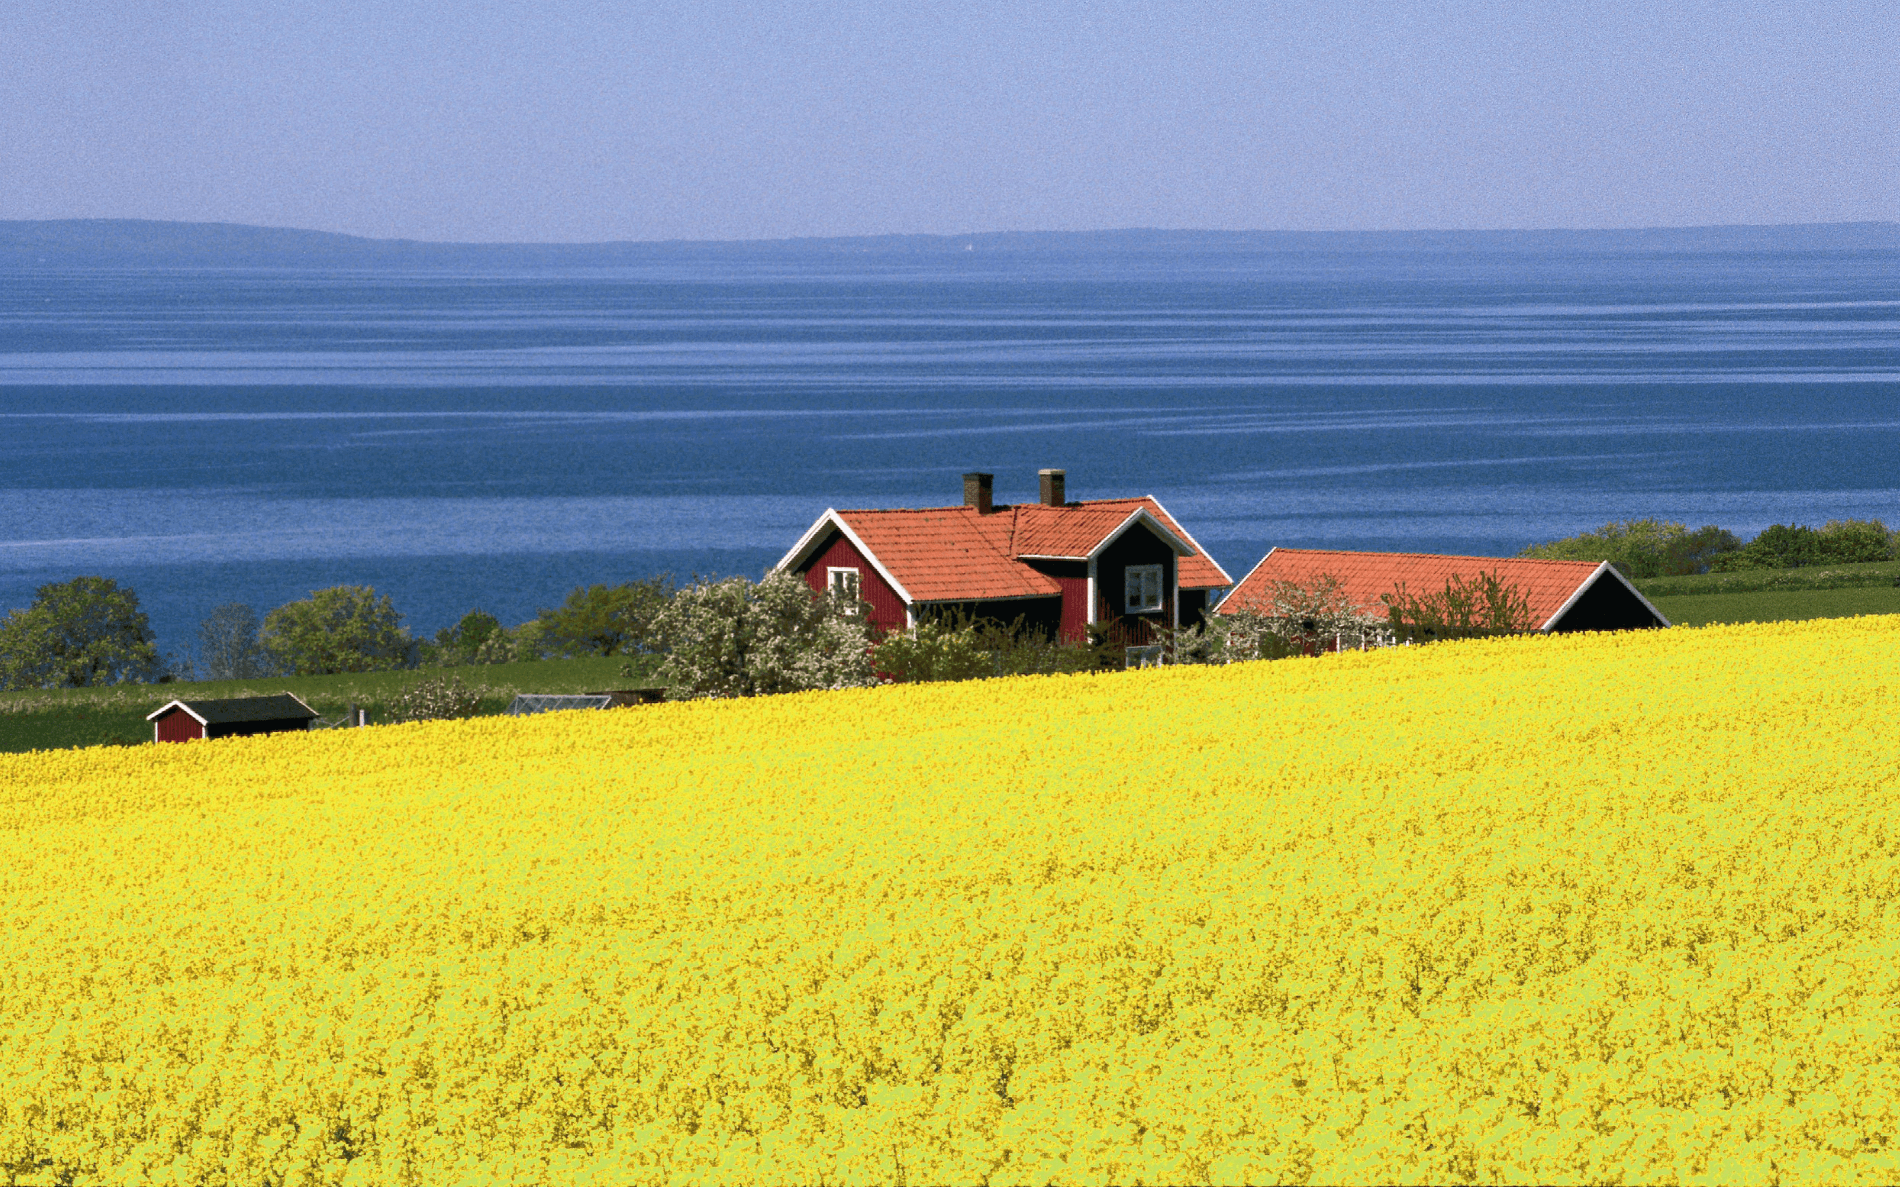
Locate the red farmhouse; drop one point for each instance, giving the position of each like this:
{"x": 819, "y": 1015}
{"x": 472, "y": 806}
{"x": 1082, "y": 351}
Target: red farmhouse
{"x": 1563, "y": 595}
{"x": 1062, "y": 567}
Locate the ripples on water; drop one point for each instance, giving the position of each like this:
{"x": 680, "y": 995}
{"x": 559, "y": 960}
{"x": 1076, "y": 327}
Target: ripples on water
{"x": 493, "y": 439}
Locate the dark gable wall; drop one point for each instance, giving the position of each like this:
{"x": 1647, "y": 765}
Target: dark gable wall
{"x": 1606, "y": 606}
{"x": 1193, "y": 606}
{"x": 887, "y": 609}
{"x": 1137, "y": 546}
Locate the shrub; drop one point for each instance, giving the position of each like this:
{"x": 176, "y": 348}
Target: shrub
{"x": 735, "y": 638}
{"x": 1838, "y": 542}
{"x": 935, "y": 649}
{"x": 436, "y": 697}
{"x": 1484, "y": 605}
{"x": 1643, "y": 548}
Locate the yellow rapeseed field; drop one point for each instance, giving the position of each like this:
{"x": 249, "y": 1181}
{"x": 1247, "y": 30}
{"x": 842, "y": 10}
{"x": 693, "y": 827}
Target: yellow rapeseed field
{"x": 1617, "y": 908}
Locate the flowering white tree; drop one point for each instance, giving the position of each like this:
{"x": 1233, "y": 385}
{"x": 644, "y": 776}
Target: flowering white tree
{"x": 737, "y": 638}
{"x": 1288, "y": 618}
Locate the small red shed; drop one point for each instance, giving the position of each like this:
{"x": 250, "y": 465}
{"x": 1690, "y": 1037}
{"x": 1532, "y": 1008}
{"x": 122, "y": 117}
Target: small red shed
{"x": 185, "y": 721}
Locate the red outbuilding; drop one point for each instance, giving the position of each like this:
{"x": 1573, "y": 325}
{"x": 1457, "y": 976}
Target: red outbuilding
{"x": 1563, "y": 595}
{"x": 185, "y": 721}
{"x": 1059, "y": 566}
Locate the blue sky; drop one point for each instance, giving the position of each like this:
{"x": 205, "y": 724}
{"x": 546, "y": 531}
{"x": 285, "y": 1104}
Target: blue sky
{"x": 584, "y": 120}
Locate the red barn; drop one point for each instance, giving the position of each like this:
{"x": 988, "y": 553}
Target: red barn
{"x": 1060, "y": 566}
{"x": 1563, "y": 595}
{"x": 185, "y": 721}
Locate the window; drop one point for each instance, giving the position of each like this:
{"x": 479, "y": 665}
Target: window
{"x": 1144, "y": 589}
{"x": 843, "y": 582}
{"x": 1143, "y": 657}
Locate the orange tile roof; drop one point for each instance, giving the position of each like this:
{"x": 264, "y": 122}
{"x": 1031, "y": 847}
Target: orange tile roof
{"x": 1547, "y": 585}
{"x": 943, "y": 554}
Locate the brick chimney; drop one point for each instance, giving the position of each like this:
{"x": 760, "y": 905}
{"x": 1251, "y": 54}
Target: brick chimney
{"x": 1052, "y": 492}
{"x": 977, "y": 490}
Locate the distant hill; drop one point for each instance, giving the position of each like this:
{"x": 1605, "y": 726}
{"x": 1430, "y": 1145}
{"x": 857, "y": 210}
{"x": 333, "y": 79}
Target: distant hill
{"x": 137, "y": 242}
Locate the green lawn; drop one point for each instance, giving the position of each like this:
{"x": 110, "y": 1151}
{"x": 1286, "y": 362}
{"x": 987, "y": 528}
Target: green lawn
{"x": 91, "y": 716}
{"x": 1877, "y": 573}
{"x": 1779, "y": 605}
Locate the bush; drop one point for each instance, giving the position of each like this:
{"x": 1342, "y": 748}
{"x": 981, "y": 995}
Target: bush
{"x": 1484, "y": 605}
{"x": 434, "y": 698}
{"x": 1643, "y": 548}
{"x": 1838, "y": 542}
{"x": 346, "y": 628}
{"x": 79, "y": 633}
{"x": 935, "y": 649}
{"x": 734, "y": 638}
{"x": 953, "y": 646}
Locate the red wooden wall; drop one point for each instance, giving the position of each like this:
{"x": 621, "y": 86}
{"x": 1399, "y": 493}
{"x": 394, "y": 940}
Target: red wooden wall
{"x": 887, "y": 609}
{"x": 177, "y": 726}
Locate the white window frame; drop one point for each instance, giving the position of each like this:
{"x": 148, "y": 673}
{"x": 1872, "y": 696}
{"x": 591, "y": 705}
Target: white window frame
{"x": 853, "y": 587}
{"x": 1150, "y": 656}
{"x": 1139, "y": 573}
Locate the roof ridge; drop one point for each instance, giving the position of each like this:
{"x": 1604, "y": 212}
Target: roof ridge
{"x": 1443, "y": 556}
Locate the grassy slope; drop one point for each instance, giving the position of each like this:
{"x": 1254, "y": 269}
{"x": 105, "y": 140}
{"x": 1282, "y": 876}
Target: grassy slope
{"x": 1779, "y": 605}
{"x": 92, "y": 716}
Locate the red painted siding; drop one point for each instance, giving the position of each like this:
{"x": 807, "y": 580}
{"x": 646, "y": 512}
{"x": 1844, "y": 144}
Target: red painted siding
{"x": 887, "y": 609}
{"x": 1073, "y": 577}
{"x": 177, "y": 726}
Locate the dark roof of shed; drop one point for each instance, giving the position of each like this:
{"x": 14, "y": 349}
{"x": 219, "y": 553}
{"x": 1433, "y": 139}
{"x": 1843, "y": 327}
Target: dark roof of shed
{"x": 231, "y": 710}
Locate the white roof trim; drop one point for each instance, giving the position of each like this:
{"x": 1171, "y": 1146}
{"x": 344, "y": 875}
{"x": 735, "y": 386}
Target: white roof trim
{"x": 1222, "y": 608}
{"x": 809, "y": 541}
{"x": 167, "y": 708}
{"x": 1196, "y": 544}
{"x": 1143, "y": 516}
{"x": 1601, "y": 569}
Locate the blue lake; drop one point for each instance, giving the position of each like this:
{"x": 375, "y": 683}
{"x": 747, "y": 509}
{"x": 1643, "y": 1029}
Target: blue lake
{"x": 493, "y": 438}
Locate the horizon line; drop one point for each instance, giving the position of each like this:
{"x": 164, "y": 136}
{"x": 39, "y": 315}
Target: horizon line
{"x": 945, "y": 236}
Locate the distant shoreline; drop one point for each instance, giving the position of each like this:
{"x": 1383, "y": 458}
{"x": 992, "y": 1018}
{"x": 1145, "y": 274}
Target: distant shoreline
{"x": 138, "y": 242}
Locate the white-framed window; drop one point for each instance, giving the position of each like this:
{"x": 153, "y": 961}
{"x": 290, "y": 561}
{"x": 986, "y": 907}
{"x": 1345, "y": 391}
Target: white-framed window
{"x": 1144, "y": 589}
{"x": 1144, "y": 657}
{"x": 845, "y": 582}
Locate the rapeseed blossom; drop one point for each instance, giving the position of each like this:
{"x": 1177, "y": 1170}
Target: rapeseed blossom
{"x": 1612, "y": 908}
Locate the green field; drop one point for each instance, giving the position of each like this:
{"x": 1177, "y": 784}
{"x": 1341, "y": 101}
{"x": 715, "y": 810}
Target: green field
{"x": 1779, "y": 605}
{"x": 1815, "y": 577}
{"x": 57, "y": 718}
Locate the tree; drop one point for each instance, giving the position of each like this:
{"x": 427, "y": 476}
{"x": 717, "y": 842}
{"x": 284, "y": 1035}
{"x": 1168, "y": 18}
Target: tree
{"x": 608, "y": 619}
{"x": 1643, "y": 548}
{"x": 227, "y": 640}
{"x": 462, "y": 642}
{"x": 734, "y": 638}
{"x": 346, "y": 628}
{"x": 1484, "y": 605}
{"x": 76, "y": 634}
